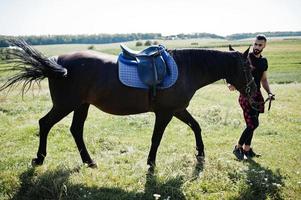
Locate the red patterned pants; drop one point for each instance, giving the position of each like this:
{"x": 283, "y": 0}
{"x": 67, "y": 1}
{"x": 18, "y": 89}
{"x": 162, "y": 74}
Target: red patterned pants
{"x": 251, "y": 114}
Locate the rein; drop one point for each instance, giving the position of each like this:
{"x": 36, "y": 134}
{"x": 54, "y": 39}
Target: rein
{"x": 269, "y": 99}
{"x": 250, "y": 99}
{"x": 257, "y": 104}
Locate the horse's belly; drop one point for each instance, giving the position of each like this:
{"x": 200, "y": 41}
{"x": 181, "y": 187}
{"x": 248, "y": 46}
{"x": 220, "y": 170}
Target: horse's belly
{"x": 121, "y": 110}
{"x": 122, "y": 103}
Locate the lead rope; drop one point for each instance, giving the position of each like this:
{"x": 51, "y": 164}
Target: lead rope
{"x": 250, "y": 99}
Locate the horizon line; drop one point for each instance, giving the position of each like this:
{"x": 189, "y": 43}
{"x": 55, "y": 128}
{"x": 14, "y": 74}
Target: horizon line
{"x": 124, "y": 33}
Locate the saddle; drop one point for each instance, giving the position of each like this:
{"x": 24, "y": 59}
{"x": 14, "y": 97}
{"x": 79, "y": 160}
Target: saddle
{"x": 151, "y": 66}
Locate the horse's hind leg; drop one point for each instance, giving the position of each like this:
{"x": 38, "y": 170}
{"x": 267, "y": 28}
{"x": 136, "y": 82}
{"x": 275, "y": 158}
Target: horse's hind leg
{"x": 186, "y": 117}
{"x": 46, "y": 123}
{"x": 77, "y": 128}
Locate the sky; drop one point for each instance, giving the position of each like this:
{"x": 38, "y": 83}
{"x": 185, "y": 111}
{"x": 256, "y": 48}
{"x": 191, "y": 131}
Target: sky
{"x": 222, "y": 17}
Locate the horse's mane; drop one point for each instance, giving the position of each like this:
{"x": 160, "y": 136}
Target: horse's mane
{"x": 203, "y": 57}
{"x": 208, "y": 64}
{"x": 206, "y": 60}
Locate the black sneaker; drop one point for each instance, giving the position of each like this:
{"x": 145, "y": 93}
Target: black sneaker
{"x": 238, "y": 152}
{"x": 251, "y": 154}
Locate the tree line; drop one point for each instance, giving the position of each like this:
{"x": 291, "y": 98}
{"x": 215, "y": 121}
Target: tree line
{"x": 239, "y": 36}
{"x": 112, "y": 38}
{"x": 81, "y": 39}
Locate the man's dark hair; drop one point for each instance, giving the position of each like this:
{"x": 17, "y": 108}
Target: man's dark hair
{"x": 261, "y": 37}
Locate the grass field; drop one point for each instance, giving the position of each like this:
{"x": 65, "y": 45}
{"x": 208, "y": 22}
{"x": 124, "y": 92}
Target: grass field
{"x": 120, "y": 145}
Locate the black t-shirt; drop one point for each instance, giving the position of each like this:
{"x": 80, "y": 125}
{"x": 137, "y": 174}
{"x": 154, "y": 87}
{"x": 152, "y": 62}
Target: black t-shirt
{"x": 261, "y": 65}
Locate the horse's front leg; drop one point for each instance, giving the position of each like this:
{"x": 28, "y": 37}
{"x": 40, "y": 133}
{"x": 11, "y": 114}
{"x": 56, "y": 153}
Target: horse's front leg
{"x": 162, "y": 120}
{"x": 186, "y": 117}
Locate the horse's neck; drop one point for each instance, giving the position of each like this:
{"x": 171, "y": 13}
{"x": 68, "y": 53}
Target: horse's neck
{"x": 203, "y": 67}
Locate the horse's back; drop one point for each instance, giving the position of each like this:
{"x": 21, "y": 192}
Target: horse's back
{"x": 93, "y": 78}
{"x": 70, "y": 59}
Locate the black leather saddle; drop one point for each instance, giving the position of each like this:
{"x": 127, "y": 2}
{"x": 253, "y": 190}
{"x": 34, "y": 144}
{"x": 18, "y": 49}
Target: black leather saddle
{"x": 151, "y": 66}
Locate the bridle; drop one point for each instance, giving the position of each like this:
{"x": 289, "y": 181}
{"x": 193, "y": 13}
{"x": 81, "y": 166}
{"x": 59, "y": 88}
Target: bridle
{"x": 254, "y": 104}
{"x": 249, "y": 80}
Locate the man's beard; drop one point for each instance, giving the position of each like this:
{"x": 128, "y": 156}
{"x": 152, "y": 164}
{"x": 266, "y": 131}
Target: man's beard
{"x": 256, "y": 51}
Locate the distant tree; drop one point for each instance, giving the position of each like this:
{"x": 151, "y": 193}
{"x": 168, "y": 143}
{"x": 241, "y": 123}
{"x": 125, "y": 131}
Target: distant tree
{"x": 1, "y": 53}
{"x": 92, "y": 47}
{"x": 139, "y": 44}
{"x": 155, "y": 43}
{"x": 148, "y": 43}
{"x": 7, "y": 57}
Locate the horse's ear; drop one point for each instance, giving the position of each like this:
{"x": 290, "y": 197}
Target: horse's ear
{"x": 230, "y": 48}
{"x": 246, "y": 53}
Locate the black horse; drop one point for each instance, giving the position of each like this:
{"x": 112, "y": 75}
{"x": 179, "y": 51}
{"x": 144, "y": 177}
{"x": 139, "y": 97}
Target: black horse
{"x": 79, "y": 79}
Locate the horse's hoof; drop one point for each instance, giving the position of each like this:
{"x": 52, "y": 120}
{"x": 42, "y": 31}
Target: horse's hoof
{"x": 151, "y": 163}
{"x": 36, "y": 162}
{"x": 92, "y": 165}
{"x": 151, "y": 170}
{"x": 200, "y": 159}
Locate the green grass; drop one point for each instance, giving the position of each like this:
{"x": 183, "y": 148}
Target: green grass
{"x": 120, "y": 146}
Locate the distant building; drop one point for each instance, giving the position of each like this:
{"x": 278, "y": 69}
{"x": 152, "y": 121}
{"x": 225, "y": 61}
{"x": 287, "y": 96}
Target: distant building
{"x": 171, "y": 37}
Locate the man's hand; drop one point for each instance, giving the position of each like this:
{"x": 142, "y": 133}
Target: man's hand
{"x": 270, "y": 99}
{"x": 271, "y": 96}
{"x": 231, "y": 87}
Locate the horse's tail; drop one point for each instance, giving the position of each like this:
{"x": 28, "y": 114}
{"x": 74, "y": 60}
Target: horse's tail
{"x": 30, "y": 65}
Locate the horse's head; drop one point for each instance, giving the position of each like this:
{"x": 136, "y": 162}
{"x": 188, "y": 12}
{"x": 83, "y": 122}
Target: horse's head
{"x": 242, "y": 77}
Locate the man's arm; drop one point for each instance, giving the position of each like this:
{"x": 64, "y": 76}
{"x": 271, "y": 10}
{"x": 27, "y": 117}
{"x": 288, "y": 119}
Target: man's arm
{"x": 265, "y": 83}
{"x": 266, "y": 86}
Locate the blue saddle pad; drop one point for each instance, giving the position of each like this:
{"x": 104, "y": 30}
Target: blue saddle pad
{"x": 128, "y": 72}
